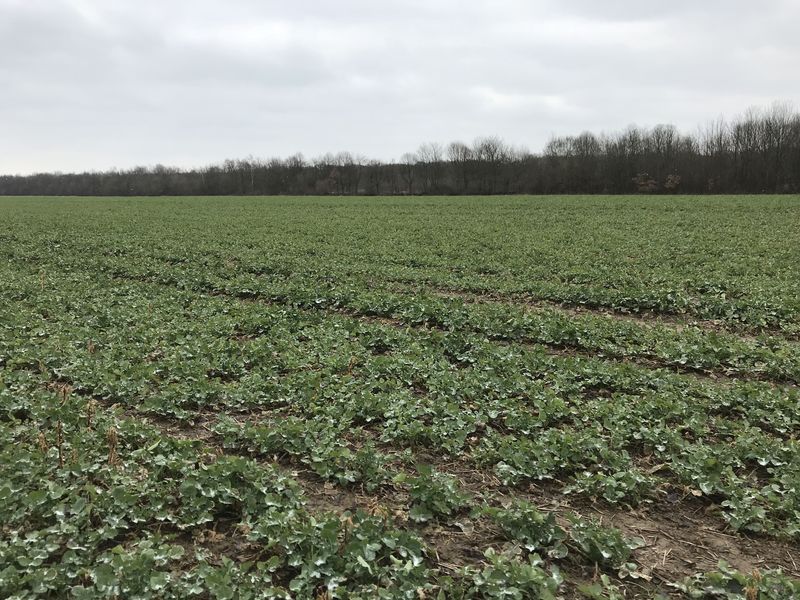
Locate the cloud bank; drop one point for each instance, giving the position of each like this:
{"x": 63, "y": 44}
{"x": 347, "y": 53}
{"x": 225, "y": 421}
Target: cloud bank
{"x": 91, "y": 84}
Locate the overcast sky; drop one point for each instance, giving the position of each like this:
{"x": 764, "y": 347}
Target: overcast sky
{"x": 94, "y": 84}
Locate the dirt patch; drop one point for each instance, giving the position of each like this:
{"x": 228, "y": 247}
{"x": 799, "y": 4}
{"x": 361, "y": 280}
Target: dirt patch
{"x": 682, "y": 538}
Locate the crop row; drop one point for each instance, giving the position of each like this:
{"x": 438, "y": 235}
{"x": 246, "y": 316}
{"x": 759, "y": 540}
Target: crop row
{"x": 724, "y": 259}
{"x": 690, "y": 348}
{"x": 314, "y": 381}
{"x": 246, "y": 404}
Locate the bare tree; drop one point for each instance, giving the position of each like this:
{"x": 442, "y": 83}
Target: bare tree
{"x": 430, "y": 157}
{"x": 408, "y": 163}
{"x": 758, "y": 151}
{"x": 460, "y": 156}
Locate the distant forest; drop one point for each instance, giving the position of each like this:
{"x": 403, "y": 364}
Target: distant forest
{"x": 758, "y": 152}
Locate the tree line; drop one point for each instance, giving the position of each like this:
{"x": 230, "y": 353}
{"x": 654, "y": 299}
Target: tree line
{"x": 756, "y": 152}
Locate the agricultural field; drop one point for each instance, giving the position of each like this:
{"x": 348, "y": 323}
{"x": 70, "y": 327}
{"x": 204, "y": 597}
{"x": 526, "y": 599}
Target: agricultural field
{"x": 422, "y": 398}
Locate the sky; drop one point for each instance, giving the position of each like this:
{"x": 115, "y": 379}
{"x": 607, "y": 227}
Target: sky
{"x": 99, "y": 84}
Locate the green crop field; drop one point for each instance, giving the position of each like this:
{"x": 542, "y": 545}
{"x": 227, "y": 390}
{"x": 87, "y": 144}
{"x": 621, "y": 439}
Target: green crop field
{"x": 422, "y": 398}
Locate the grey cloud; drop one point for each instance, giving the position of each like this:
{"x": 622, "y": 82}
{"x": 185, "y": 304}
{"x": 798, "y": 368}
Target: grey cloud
{"x": 101, "y": 83}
